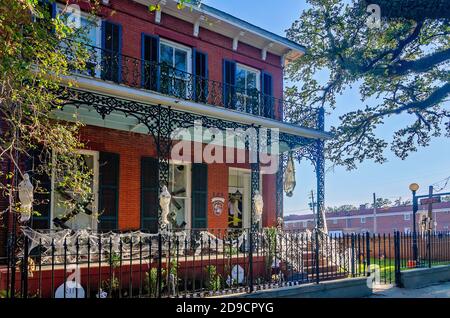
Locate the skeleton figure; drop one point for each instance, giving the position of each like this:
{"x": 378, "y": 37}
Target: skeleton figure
{"x": 289, "y": 177}
{"x": 164, "y": 202}
{"x": 26, "y": 198}
{"x": 259, "y": 205}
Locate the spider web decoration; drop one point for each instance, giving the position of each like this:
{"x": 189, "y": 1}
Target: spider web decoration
{"x": 82, "y": 245}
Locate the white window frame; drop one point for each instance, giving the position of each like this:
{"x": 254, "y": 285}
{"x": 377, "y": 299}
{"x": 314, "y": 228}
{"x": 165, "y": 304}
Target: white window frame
{"x": 179, "y": 46}
{"x": 96, "y": 19}
{"x": 363, "y": 220}
{"x": 305, "y": 224}
{"x": 258, "y": 79}
{"x": 188, "y": 198}
{"x": 406, "y": 217}
{"x": 335, "y": 221}
{"x": 96, "y": 176}
{"x": 98, "y": 36}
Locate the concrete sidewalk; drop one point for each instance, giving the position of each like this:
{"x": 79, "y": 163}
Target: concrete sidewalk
{"x": 435, "y": 291}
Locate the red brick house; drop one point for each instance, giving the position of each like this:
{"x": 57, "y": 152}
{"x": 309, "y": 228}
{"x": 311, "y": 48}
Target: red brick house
{"x": 151, "y": 73}
{"x": 388, "y": 220}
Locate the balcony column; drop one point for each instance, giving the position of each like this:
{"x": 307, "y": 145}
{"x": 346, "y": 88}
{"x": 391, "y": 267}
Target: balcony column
{"x": 320, "y": 173}
{"x": 279, "y": 189}
{"x": 163, "y": 146}
{"x": 255, "y": 174}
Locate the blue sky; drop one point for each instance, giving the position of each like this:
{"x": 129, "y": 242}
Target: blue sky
{"x": 390, "y": 180}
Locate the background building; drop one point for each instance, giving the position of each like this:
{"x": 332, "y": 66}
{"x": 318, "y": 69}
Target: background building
{"x": 388, "y": 219}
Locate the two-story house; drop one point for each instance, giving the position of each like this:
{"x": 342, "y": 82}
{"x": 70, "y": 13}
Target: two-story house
{"x": 151, "y": 74}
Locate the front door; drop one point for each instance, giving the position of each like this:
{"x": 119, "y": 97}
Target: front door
{"x": 238, "y": 198}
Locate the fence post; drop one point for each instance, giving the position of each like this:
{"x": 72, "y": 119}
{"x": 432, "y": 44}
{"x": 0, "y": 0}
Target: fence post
{"x": 368, "y": 253}
{"x": 397, "y": 258}
{"x": 250, "y": 260}
{"x": 24, "y": 274}
{"x": 159, "y": 273}
{"x": 429, "y": 249}
{"x": 317, "y": 257}
{"x": 353, "y": 254}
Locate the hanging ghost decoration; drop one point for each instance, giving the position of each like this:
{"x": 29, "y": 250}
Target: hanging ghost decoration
{"x": 289, "y": 177}
{"x": 26, "y": 198}
{"x": 258, "y": 203}
{"x": 164, "y": 202}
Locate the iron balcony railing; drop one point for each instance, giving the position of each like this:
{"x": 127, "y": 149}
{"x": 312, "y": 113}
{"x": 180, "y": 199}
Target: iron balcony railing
{"x": 165, "y": 79}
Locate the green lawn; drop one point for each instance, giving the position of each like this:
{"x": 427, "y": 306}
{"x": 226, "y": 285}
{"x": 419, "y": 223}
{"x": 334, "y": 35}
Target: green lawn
{"x": 386, "y": 267}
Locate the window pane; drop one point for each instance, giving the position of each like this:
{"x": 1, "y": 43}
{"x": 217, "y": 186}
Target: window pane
{"x": 251, "y": 80}
{"x": 178, "y": 209}
{"x": 181, "y": 61}
{"x": 240, "y": 79}
{"x": 166, "y": 54}
{"x": 179, "y": 180}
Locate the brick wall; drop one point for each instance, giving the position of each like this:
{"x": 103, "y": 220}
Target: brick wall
{"x": 132, "y": 147}
{"x": 388, "y": 220}
{"x": 137, "y": 19}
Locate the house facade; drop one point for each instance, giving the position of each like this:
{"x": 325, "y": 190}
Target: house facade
{"x": 388, "y": 220}
{"x": 154, "y": 75}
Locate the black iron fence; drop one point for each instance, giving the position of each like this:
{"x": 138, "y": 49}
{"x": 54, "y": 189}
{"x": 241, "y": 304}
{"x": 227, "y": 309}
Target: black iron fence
{"x": 203, "y": 263}
{"x": 163, "y": 78}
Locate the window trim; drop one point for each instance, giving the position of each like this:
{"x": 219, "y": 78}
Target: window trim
{"x": 96, "y": 183}
{"x": 407, "y": 217}
{"x": 363, "y": 220}
{"x": 245, "y": 171}
{"x": 188, "y": 198}
{"x": 251, "y": 69}
{"x": 98, "y": 22}
{"x": 179, "y": 46}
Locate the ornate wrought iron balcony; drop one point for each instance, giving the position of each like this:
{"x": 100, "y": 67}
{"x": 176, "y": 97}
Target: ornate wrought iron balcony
{"x": 162, "y": 78}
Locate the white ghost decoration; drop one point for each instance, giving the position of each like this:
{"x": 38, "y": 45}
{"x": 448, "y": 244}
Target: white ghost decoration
{"x": 259, "y": 206}
{"x": 289, "y": 177}
{"x": 164, "y": 202}
{"x": 26, "y": 198}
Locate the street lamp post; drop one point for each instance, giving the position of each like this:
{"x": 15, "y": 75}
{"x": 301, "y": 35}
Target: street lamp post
{"x": 414, "y": 187}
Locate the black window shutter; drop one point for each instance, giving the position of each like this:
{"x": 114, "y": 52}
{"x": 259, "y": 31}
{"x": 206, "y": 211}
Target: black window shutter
{"x": 109, "y": 191}
{"x": 267, "y": 91}
{"x": 229, "y": 83}
{"x": 149, "y": 194}
{"x": 42, "y": 196}
{"x": 112, "y": 47}
{"x": 150, "y": 57}
{"x": 199, "y": 196}
{"x": 200, "y": 68}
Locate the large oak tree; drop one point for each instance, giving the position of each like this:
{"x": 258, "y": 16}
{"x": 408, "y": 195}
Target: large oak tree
{"x": 403, "y": 66}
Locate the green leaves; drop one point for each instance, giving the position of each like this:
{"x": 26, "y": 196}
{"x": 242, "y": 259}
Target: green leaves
{"x": 400, "y": 68}
{"x": 34, "y": 57}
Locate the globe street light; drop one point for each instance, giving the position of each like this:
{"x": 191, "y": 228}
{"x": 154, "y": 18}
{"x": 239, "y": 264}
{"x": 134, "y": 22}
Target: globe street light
{"x": 414, "y": 187}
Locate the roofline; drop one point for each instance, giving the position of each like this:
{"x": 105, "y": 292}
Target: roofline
{"x": 249, "y": 27}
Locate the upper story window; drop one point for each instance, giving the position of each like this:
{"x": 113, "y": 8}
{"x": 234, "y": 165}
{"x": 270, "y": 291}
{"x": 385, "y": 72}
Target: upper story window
{"x": 177, "y": 64}
{"x": 407, "y": 217}
{"x": 87, "y": 30}
{"x": 335, "y": 221}
{"x": 363, "y": 220}
{"x": 247, "y": 86}
{"x": 87, "y": 27}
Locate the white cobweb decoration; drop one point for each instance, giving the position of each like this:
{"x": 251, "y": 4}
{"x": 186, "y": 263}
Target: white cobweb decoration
{"x": 82, "y": 245}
